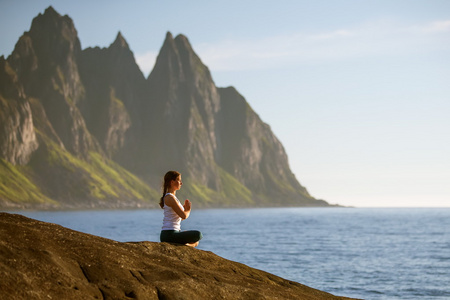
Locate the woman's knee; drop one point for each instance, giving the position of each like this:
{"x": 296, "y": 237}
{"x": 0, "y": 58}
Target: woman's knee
{"x": 198, "y": 235}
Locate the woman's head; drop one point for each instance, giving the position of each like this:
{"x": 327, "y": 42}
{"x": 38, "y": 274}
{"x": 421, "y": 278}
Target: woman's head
{"x": 169, "y": 178}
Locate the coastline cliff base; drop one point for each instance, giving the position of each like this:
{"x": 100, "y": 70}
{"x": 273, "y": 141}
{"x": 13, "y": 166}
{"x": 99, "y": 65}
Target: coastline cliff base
{"x": 41, "y": 260}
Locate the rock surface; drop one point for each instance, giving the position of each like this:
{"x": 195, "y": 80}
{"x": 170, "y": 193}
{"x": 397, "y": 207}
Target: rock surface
{"x": 40, "y": 260}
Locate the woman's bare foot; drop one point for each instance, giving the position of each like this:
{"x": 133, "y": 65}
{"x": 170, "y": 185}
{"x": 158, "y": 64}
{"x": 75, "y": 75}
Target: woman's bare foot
{"x": 192, "y": 245}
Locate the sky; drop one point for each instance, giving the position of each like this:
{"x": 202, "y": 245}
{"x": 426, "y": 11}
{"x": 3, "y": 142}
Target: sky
{"x": 358, "y": 92}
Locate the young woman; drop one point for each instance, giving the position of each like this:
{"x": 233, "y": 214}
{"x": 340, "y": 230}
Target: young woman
{"x": 174, "y": 212}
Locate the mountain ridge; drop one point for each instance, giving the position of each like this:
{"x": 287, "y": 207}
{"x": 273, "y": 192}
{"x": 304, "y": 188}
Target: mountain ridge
{"x": 89, "y": 130}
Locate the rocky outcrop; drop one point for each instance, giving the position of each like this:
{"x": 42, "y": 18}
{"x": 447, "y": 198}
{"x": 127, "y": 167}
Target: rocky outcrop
{"x": 252, "y": 153}
{"x": 46, "y": 61}
{"x": 42, "y": 127}
{"x": 185, "y": 102}
{"x": 114, "y": 88}
{"x": 17, "y": 137}
{"x": 46, "y": 261}
{"x": 91, "y": 131}
{"x": 216, "y": 132}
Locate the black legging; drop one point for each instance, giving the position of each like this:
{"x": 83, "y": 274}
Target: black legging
{"x": 181, "y": 237}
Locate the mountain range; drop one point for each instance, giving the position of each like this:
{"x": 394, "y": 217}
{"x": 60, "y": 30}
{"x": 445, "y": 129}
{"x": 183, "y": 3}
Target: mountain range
{"x": 83, "y": 128}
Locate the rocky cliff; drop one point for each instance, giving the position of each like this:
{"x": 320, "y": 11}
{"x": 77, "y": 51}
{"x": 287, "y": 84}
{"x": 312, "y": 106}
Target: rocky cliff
{"x": 46, "y": 261}
{"x": 84, "y": 128}
{"x": 17, "y": 136}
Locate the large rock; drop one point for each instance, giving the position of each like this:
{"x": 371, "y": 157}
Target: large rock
{"x": 46, "y": 261}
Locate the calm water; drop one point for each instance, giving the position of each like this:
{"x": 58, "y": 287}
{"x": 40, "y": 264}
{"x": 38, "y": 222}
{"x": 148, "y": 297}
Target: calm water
{"x": 361, "y": 253}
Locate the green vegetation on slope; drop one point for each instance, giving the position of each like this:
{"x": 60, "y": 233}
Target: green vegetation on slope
{"x": 233, "y": 189}
{"x": 17, "y": 188}
{"x": 56, "y": 178}
{"x": 232, "y": 193}
{"x": 104, "y": 178}
{"x": 121, "y": 179}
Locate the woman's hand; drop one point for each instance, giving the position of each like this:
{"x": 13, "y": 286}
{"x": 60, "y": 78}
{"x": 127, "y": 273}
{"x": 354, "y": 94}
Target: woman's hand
{"x": 187, "y": 205}
{"x": 182, "y": 211}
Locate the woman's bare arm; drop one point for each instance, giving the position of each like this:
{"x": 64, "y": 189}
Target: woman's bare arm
{"x": 182, "y": 212}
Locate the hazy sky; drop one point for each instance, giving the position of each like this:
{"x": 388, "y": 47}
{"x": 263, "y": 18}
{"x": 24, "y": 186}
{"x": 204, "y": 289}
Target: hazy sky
{"x": 357, "y": 91}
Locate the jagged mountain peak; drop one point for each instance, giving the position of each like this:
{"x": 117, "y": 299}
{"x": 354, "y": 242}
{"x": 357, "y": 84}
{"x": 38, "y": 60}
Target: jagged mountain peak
{"x": 53, "y": 38}
{"x": 51, "y": 11}
{"x": 169, "y": 36}
{"x": 179, "y": 43}
{"x": 120, "y": 42}
{"x": 51, "y": 22}
{"x": 168, "y": 45}
{"x": 182, "y": 41}
{"x": 178, "y": 56}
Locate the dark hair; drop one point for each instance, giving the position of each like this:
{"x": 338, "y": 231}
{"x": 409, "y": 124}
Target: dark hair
{"x": 171, "y": 175}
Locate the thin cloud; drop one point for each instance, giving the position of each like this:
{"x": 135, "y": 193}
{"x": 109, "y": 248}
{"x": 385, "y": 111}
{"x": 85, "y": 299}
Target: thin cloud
{"x": 380, "y": 38}
{"x": 434, "y": 27}
{"x": 369, "y": 40}
{"x": 342, "y": 33}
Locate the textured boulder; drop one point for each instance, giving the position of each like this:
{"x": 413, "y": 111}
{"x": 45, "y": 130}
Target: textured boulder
{"x": 45, "y": 261}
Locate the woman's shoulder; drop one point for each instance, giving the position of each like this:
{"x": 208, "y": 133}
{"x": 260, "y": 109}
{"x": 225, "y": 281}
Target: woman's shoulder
{"x": 170, "y": 197}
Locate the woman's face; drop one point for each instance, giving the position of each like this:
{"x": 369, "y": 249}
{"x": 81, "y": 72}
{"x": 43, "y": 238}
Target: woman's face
{"x": 177, "y": 183}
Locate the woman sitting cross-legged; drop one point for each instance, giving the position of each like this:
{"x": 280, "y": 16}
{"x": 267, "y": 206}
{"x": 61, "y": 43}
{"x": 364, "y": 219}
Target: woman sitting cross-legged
{"x": 174, "y": 212}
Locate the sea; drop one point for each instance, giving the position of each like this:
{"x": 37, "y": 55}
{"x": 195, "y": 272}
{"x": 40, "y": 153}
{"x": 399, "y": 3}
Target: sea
{"x": 365, "y": 253}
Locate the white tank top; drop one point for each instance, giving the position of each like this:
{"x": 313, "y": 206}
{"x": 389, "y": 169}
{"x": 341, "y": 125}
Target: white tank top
{"x": 172, "y": 220}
